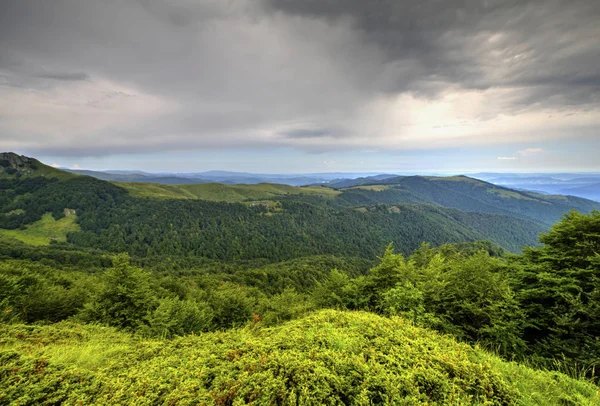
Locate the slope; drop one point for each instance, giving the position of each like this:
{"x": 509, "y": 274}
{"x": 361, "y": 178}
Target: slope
{"x": 20, "y": 166}
{"x": 224, "y": 193}
{"x": 113, "y": 220}
{"x": 590, "y": 191}
{"x": 468, "y": 194}
{"x": 45, "y": 230}
{"x": 329, "y": 357}
{"x": 137, "y": 177}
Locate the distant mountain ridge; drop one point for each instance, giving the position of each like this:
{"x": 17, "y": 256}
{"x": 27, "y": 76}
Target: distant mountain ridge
{"x": 577, "y": 184}
{"x": 585, "y": 185}
{"x": 460, "y": 192}
{"x": 466, "y": 194}
{"x": 225, "y": 177}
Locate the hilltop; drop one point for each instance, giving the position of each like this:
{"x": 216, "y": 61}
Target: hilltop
{"x": 330, "y": 357}
{"x": 20, "y": 166}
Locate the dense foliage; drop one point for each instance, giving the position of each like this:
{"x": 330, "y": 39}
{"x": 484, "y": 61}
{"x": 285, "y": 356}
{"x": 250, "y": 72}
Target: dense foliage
{"x": 328, "y": 358}
{"x": 112, "y": 220}
{"x": 251, "y": 280}
{"x": 541, "y": 306}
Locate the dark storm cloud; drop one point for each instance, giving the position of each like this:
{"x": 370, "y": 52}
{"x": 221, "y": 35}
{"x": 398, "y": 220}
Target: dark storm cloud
{"x": 100, "y": 76}
{"x": 549, "y": 46}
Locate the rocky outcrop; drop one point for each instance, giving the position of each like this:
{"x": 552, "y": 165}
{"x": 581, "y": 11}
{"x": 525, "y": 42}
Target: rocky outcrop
{"x": 11, "y": 163}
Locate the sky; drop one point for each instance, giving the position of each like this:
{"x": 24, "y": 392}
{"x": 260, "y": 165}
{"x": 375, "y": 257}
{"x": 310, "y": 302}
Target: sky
{"x": 300, "y": 86}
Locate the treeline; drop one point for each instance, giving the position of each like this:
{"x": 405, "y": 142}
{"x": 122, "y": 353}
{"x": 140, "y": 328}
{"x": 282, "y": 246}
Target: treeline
{"x": 542, "y": 306}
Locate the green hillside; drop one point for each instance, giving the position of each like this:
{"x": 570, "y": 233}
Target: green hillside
{"x": 330, "y": 357}
{"x": 224, "y": 193}
{"x": 466, "y": 194}
{"x": 113, "y": 220}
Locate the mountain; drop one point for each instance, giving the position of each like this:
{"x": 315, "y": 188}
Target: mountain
{"x": 136, "y": 177}
{"x": 231, "y": 221}
{"x": 558, "y": 183}
{"x": 231, "y": 178}
{"x": 588, "y": 191}
{"x": 224, "y": 177}
{"x": 280, "y": 228}
{"x": 19, "y": 166}
{"x": 349, "y": 182}
{"x": 460, "y": 192}
{"x": 466, "y": 194}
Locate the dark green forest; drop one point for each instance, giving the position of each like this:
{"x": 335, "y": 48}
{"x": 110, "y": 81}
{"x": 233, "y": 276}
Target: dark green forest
{"x": 364, "y": 298}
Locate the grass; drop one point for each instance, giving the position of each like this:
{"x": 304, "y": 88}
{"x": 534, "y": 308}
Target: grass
{"x": 223, "y": 193}
{"x": 328, "y": 357}
{"x": 376, "y": 188}
{"x": 549, "y": 197}
{"x": 455, "y": 179}
{"x": 16, "y": 211}
{"x": 44, "y": 231}
{"x": 509, "y": 194}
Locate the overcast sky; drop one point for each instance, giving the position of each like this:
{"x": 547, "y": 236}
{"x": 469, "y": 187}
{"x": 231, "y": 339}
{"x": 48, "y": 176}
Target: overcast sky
{"x": 302, "y": 85}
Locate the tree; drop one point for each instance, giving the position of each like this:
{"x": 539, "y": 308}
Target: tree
{"x": 559, "y": 288}
{"x": 126, "y": 297}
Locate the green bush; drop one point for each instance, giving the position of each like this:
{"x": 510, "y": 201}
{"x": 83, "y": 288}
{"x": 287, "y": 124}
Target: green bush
{"x": 175, "y": 317}
{"x": 330, "y": 357}
{"x": 125, "y": 298}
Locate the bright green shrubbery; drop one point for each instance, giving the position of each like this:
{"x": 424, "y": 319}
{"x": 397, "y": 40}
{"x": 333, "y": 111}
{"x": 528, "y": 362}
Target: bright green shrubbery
{"x": 330, "y": 357}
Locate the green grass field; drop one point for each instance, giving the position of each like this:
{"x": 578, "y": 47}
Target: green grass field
{"x": 44, "y": 231}
{"x": 509, "y": 194}
{"x": 223, "y": 193}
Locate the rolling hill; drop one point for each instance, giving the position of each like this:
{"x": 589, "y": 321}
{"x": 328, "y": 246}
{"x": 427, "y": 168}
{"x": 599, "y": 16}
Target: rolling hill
{"x": 467, "y": 194}
{"x": 137, "y": 177}
{"x": 588, "y": 191}
{"x": 460, "y": 192}
{"x": 218, "y": 192}
{"x": 275, "y": 222}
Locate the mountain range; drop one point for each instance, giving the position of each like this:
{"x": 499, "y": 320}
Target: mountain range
{"x": 581, "y": 185}
{"x": 214, "y": 220}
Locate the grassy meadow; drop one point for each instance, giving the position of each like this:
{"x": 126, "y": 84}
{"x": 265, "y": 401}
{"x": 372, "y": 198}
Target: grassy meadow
{"x": 44, "y": 231}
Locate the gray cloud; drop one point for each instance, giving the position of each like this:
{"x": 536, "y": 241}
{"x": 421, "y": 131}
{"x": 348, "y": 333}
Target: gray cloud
{"x": 97, "y": 77}
{"x": 301, "y": 133}
{"x": 549, "y": 47}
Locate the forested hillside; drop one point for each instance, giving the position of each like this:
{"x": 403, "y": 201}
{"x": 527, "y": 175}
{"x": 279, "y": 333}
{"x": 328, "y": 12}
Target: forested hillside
{"x": 301, "y": 222}
{"x": 466, "y": 194}
{"x": 110, "y": 296}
